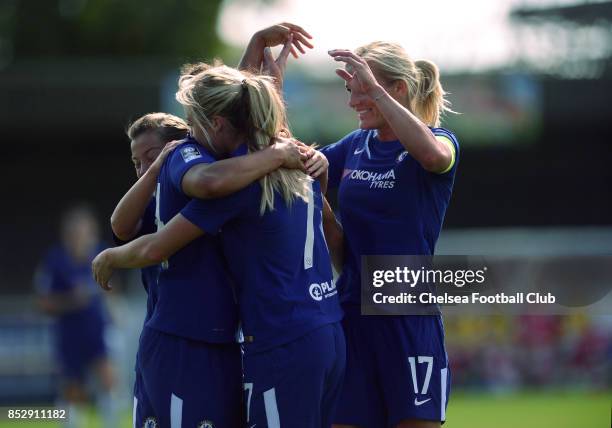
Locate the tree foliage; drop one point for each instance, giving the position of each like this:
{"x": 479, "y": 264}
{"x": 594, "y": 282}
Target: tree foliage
{"x": 117, "y": 28}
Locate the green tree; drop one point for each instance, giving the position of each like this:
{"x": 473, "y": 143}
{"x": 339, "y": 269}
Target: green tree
{"x": 173, "y": 29}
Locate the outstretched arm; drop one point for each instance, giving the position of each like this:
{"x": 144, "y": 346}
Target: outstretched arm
{"x": 126, "y": 219}
{"x": 145, "y": 251}
{"x": 222, "y": 178}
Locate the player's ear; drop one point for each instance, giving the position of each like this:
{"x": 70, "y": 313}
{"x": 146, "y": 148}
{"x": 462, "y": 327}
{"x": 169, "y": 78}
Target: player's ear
{"x": 401, "y": 88}
{"x": 217, "y": 123}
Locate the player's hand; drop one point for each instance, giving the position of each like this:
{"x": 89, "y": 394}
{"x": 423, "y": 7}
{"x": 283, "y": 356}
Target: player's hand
{"x": 102, "y": 269}
{"x": 161, "y": 157}
{"x": 280, "y": 33}
{"x": 292, "y": 153}
{"x": 316, "y": 164}
{"x": 276, "y": 67}
{"x": 359, "y": 69}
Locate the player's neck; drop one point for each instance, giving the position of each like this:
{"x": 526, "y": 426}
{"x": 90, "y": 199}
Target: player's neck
{"x": 386, "y": 134}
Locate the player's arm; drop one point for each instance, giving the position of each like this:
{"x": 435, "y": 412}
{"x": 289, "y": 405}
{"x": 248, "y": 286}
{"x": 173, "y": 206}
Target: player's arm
{"x": 217, "y": 179}
{"x": 145, "y": 251}
{"x": 126, "y": 219}
{"x": 334, "y": 236}
{"x": 434, "y": 155}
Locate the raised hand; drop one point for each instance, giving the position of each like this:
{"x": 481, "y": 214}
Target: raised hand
{"x": 276, "y": 67}
{"x": 360, "y": 71}
{"x": 273, "y": 36}
{"x": 280, "y": 33}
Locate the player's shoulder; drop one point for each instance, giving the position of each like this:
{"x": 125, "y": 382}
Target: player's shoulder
{"x": 347, "y": 142}
{"x": 356, "y": 137}
{"x": 189, "y": 150}
{"x": 444, "y": 132}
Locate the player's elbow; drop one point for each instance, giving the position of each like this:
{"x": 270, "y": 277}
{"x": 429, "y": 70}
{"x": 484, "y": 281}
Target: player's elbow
{"x": 209, "y": 186}
{"x": 435, "y": 161}
{"x": 120, "y": 230}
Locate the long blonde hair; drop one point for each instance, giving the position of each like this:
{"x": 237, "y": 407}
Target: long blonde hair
{"x": 253, "y": 106}
{"x": 426, "y": 97}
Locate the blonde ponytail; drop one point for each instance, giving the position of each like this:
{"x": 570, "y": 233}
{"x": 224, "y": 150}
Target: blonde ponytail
{"x": 431, "y": 102}
{"x": 254, "y": 107}
{"x": 268, "y": 120}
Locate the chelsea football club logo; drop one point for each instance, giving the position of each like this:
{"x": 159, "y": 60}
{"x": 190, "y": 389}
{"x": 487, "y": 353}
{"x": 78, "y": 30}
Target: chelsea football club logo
{"x": 150, "y": 423}
{"x": 206, "y": 424}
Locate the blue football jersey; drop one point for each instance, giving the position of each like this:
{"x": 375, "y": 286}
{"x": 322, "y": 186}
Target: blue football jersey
{"x": 279, "y": 261}
{"x": 389, "y": 204}
{"x": 195, "y": 297}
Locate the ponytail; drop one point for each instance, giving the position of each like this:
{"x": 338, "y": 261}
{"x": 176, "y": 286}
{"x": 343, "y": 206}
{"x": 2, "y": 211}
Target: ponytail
{"x": 430, "y": 102}
{"x": 267, "y": 120}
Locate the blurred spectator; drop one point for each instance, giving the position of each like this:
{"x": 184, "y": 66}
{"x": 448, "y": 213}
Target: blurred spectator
{"x": 68, "y": 293}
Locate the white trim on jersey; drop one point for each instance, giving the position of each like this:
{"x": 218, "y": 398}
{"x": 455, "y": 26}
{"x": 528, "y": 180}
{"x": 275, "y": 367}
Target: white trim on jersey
{"x": 158, "y": 222}
{"x": 271, "y": 408}
{"x": 443, "y": 380}
{"x": 176, "y": 412}
{"x": 134, "y": 412}
{"x": 309, "y": 244}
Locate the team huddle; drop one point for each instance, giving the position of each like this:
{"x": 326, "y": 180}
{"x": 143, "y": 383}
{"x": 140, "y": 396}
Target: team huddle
{"x": 245, "y": 324}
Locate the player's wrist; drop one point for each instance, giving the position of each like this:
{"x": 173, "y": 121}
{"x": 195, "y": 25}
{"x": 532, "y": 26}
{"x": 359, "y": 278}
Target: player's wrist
{"x": 377, "y": 92}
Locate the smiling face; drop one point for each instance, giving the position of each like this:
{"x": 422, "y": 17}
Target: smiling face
{"x": 368, "y": 114}
{"x": 145, "y": 149}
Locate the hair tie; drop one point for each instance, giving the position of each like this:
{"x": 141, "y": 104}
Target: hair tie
{"x": 244, "y": 83}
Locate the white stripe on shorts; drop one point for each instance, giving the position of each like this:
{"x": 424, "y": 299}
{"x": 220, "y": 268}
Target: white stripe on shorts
{"x": 134, "y": 412}
{"x": 443, "y": 374}
{"x": 176, "y": 412}
{"x": 271, "y": 408}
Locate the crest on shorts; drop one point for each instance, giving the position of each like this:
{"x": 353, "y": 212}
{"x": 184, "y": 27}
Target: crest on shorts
{"x": 150, "y": 423}
{"x": 206, "y": 424}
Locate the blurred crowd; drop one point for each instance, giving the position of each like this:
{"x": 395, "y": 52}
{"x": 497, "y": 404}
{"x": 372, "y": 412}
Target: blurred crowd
{"x": 502, "y": 353}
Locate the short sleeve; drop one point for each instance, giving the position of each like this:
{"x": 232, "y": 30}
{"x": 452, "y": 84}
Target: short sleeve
{"x": 210, "y": 214}
{"x": 450, "y": 139}
{"x": 183, "y": 158}
{"x": 336, "y": 156}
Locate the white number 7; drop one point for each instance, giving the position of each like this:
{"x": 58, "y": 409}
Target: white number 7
{"x": 158, "y": 222}
{"x": 248, "y": 387}
{"x": 421, "y": 359}
{"x": 309, "y": 244}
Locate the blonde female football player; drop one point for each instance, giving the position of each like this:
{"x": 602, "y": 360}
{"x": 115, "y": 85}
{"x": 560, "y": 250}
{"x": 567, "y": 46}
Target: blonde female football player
{"x": 394, "y": 177}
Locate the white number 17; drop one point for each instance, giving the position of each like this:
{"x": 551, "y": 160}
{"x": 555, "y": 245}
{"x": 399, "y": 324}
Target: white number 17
{"x": 421, "y": 359}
